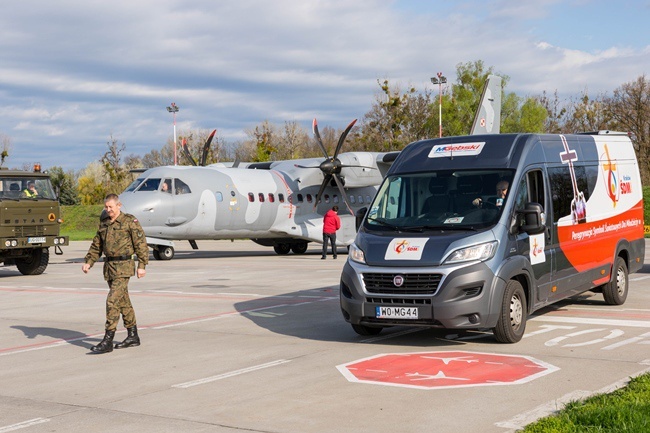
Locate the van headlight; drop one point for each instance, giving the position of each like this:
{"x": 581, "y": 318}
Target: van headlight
{"x": 481, "y": 253}
{"x": 356, "y": 254}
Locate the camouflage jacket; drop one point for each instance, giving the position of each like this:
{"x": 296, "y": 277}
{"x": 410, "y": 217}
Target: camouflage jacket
{"x": 118, "y": 241}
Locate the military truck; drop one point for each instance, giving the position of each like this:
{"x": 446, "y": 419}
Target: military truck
{"x": 30, "y": 220}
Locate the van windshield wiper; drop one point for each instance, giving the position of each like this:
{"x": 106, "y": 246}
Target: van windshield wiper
{"x": 384, "y": 223}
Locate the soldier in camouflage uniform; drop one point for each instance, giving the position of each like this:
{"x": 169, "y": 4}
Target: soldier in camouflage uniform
{"x": 119, "y": 237}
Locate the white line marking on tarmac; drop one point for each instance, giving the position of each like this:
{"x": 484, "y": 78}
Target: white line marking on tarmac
{"x": 230, "y": 374}
{"x": 587, "y": 321}
{"x": 23, "y": 424}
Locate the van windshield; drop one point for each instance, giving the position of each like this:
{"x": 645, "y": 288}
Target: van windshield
{"x": 441, "y": 200}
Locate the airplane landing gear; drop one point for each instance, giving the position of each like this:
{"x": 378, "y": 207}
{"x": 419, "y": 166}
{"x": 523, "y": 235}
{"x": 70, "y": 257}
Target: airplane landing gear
{"x": 299, "y": 248}
{"x": 162, "y": 252}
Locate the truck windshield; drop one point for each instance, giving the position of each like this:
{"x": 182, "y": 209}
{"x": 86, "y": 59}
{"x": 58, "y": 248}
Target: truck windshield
{"x": 20, "y": 188}
{"x": 442, "y": 200}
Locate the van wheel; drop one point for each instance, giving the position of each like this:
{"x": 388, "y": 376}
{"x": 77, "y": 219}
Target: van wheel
{"x": 615, "y": 292}
{"x": 512, "y": 320}
{"x": 366, "y": 330}
{"x": 36, "y": 263}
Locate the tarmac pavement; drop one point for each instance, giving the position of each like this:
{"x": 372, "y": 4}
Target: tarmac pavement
{"x": 237, "y": 338}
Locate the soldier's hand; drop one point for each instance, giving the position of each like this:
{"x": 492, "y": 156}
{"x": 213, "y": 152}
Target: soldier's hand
{"x": 141, "y": 273}
{"x": 85, "y": 267}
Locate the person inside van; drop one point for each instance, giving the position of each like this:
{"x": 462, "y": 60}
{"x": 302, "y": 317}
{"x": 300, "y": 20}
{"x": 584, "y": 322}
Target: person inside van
{"x": 501, "y": 190}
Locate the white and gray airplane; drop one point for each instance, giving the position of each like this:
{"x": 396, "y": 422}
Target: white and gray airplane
{"x": 279, "y": 204}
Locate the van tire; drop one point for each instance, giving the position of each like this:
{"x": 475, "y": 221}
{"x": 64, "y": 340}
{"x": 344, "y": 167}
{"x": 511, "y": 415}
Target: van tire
{"x": 36, "y": 263}
{"x": 615, "y": 292}
{"x": 366, "y": 330}
{"x": 512, "y": 320}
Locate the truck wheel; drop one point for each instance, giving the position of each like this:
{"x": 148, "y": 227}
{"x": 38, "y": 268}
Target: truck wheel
{"x": 166, "y": 253}
{"x": 36, "y": 263}
{"x": 281, "y": 249}
{"x": 366, "y": 330}
{"x": 300, "y": 248}
{"x": 615, "y": 292}
{"x": 512, "y": 320}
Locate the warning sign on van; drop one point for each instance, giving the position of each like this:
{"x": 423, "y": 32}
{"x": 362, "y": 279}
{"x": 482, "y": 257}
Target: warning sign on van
{"x": 457, "y": 149}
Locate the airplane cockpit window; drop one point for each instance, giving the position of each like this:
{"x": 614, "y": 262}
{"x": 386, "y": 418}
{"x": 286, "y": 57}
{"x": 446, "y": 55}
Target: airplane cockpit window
{"x": 181, "y": 187}
{"x": 166, "y": 186}
{"x": 150, "y": 184}
{"x": 281, "y": 197}
{"x": 134, "y": 184}
{"x": 219, "y": 196}
{"x": 251, "y": 197}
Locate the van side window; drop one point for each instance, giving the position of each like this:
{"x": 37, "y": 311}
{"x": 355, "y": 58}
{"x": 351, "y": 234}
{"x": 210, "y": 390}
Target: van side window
{"x": 530, "y": 190}
{"x": 567, "y": 194}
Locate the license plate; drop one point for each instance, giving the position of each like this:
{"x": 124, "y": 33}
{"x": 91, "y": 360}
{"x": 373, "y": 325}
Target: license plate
{"x": 397, "y": 312}
{"x": 38, "y": 240}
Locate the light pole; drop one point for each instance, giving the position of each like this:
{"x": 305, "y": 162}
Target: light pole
{"x": 174, "y": 109}
{"x": 439, "y": 80}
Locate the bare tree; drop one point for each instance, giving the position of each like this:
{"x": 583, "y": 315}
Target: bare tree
{"x": 629, "y": 109}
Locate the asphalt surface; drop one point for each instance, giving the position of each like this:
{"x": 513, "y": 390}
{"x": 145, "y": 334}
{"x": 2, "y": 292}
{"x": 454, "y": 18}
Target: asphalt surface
{"x": 236, "y": 338}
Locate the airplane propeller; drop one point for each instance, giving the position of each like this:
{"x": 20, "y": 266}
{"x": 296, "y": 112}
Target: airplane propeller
{"x": 204, "y": 153}
{"x": 332, "y": 166}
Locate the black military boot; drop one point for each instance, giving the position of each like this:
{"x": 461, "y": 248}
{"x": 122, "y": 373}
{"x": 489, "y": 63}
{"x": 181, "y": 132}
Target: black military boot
{"x": 106, "y": 345}
{"x": 131, "y": 339}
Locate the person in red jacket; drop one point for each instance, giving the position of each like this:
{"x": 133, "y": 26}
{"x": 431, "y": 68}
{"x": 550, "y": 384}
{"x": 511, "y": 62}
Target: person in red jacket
{"x": 331, "y": 223}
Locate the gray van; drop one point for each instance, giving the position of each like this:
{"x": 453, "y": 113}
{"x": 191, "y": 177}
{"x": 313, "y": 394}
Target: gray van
{"x": 443, "y": 245}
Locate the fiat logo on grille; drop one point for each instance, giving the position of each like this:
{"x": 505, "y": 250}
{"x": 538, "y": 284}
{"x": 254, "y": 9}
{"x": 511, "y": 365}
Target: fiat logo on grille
{"x": 398, "y": 280}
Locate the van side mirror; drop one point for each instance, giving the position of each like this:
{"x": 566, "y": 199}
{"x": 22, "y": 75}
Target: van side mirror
{"x": 534, "y": 219}
{"x": 359, "y": 217}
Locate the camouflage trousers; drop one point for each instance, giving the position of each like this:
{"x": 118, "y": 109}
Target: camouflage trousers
{"x": 118, "y": 303}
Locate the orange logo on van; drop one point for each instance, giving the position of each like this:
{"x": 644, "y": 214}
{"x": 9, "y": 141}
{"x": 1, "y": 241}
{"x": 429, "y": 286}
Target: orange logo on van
{"x": 611, "y": 179}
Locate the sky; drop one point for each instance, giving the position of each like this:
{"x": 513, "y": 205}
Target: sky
{"x": 74, "y": 74}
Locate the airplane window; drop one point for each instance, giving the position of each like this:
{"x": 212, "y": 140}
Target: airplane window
{"x": 299, "y": 198}
{"x": 309, "y": 198}
{"x": 360, "y": 199}
{"x": 271, "y": 197}
{"x": 134, "y": 184}
{"x": 166, "y": 186}
{"x": 327, "y": 198}
{"x": 367, "y": 199}
{"x": 281, "y": 198}
{"x": 336, "y": 198}
{"x": 219, "y": 196}
{"x": 251, "y": 197}
{"x": 149, "y": 185}
{"x": 261, "y": 196}
{"x": 181, "y": 187}
{"x": 352, "y": 199}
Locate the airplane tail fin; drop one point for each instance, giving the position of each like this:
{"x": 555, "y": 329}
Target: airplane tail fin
{"x": 488, "y": 115}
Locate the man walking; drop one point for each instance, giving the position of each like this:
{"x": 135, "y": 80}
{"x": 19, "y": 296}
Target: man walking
{"x": 119, "y": 237}
{"x": 331, "y": 223}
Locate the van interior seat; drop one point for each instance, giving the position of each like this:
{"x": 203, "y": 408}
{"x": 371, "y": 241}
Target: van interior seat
{"x": 468, "y": 188}
{"x": 438, "y": 203}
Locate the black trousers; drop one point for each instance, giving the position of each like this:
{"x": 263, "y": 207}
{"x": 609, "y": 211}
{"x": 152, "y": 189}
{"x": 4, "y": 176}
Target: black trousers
{"x": 332, "y": 238}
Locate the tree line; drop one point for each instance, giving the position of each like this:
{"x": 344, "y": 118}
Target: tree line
{"x": 397, "y": 117}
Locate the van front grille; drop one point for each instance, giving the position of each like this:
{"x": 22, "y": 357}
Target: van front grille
{"x": 413, "y": 284}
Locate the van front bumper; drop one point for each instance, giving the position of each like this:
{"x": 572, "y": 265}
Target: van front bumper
{"x": 468, "y": 296}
